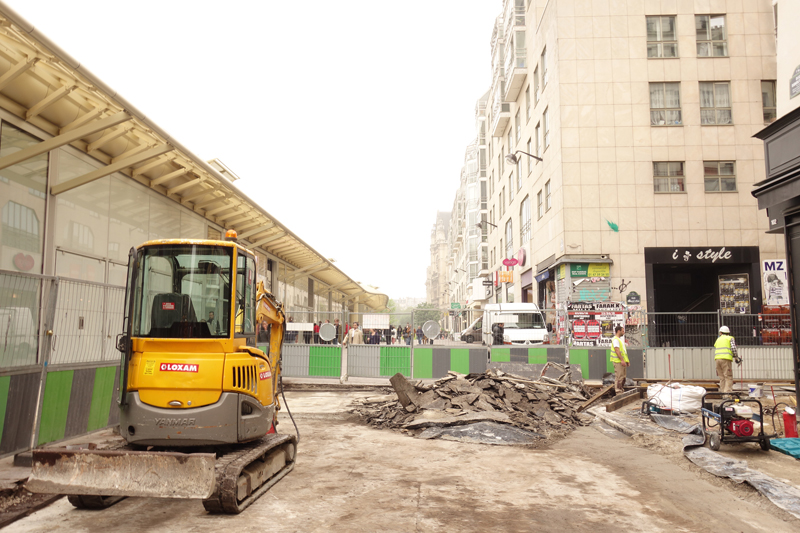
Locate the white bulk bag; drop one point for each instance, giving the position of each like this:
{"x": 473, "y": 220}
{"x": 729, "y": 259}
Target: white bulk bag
{"x": 684, "y": 398}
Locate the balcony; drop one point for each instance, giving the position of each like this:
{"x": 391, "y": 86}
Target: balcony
{"x": 501, "y": 115}
{"x": 516, "y": 66}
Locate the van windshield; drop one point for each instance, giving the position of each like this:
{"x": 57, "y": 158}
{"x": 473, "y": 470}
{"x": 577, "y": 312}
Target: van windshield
{"x": 522, "y": 321}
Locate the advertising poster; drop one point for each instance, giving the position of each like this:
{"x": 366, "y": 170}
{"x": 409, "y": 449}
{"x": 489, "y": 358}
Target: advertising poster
{"x": 592, "y": 324}
{"x": 776, "y": 288}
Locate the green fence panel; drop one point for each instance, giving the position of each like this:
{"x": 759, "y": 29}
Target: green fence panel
{"x": 5, "y": 381}
{"x": 423, "y": 363}
{"x": 459, "y": 360}
{"x": 537, "y": 356}
{"x": 55, "y": 406}
{"x": 395, "y": 359}
{"x": 501, "y": 355}
{"x": 609, "y": 364}
{"x": 580, "y": 357}
{"x": 325, "y": 361}
{"x": 101, "y": 397}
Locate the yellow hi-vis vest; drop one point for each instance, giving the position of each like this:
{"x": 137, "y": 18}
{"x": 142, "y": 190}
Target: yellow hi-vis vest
{"x": 623, "y": 351}
{"x": 722, "y": 348}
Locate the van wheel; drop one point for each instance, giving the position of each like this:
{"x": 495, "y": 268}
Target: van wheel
{"x": 470, "y": 339}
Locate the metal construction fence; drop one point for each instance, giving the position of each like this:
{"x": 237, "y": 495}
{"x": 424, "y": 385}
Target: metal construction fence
{"x": 759, "y": 363}
{"x": 693, "y": 330}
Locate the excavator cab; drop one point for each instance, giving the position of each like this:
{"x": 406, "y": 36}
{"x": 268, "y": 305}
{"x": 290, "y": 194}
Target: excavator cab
{"x": 194, "y": 375}
{"x": 198, "y": 401}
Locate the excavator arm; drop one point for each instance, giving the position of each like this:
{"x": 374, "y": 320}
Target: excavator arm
{"x": 269, "y": 314}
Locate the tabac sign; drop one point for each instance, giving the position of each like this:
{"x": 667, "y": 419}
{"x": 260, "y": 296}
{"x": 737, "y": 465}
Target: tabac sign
{"x": 710, "y": 255}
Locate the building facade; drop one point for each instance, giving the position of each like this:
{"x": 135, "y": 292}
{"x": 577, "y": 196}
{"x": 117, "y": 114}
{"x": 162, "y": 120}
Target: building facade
{"x": 643, "y": 113}
{"x": 437, "y": 287}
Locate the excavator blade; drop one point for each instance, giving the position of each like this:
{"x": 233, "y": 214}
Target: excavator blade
{"x": 122, "y": 473}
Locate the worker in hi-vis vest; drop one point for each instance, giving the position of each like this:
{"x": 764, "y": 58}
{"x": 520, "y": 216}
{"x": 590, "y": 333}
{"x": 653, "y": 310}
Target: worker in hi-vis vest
{"x": 724, "y": 355}
{"x": 619, "y": 356}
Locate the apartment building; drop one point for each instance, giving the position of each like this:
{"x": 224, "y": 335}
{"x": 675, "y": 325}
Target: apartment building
{"x": 643, "y": 113}
{"x": 437, "y": 288}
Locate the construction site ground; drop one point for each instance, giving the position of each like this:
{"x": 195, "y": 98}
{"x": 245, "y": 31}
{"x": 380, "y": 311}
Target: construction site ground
{"x": 352, "y": 477}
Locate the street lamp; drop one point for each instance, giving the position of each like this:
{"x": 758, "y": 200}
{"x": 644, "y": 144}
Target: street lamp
{"x": 482, "y": 222}
{"x": 513, "y": 159}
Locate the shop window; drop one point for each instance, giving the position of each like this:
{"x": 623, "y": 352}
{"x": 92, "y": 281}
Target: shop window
{"x": 662, "y": 39}
{"x": 665, "y": 104}
{"x": 715, "y": 103}
{"x": 768, "y": 101}
{"x": 20, "y": 227}
{"x": 712, "y": 37}
{"x": 719, "y": 176}
{"x": 668, "y": 177}
{"x": 510, "y": 293}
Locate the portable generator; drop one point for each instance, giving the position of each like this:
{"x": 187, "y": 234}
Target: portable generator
{"x": 733, "y": 420}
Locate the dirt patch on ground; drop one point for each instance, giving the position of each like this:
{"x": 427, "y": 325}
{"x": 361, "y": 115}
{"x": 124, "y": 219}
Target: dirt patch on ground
{"x": 17, "y": 503}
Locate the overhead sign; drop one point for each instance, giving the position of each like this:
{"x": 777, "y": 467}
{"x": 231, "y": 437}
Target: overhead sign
{"x": 543, "y": 276}
{"x": 505, "y": 276}
{"x": 589, "y": 270}
{"x": 713, "y": 255}
{"x": 510, "y": 262}
{"x": 487, "y": 283}
{"x": 521, "y": 256}
{"x": 455, "y": 305}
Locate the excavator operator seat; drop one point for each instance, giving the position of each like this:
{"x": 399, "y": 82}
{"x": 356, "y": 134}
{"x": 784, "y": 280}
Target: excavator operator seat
{"x": 171, "y": 308}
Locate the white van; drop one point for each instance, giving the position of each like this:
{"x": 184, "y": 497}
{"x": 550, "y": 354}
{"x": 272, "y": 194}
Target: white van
{"x": 523, "y": 324}
{"x": 474, "y": 331}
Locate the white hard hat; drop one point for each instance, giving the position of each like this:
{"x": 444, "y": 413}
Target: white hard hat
{"x": 724, "y": 329}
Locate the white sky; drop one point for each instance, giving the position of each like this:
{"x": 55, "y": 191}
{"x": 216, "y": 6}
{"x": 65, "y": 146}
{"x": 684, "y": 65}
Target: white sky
{"x": 346, "y": 120}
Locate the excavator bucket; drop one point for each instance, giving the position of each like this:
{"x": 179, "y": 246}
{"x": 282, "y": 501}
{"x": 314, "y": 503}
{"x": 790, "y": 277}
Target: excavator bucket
{"x": 122, "y": 473}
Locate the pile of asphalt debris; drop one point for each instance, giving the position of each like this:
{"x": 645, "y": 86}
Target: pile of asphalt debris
{"x": 493, "y": 407}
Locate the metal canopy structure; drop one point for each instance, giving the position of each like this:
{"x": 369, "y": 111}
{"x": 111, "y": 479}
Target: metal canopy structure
{"x": 45, "y": 87}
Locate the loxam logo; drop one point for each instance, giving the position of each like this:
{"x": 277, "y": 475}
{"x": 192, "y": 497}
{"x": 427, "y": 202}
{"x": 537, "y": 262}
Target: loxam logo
{"x": 175, "y": 367}
{"x": 264, "y": 375}
{"x": 170, "y": 422}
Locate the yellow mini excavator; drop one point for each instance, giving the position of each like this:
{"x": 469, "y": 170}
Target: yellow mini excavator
{"x": 198, "y": 400}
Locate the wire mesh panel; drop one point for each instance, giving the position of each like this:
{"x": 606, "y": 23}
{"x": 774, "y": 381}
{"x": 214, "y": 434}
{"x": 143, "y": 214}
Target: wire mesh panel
{"x": 19, "y": 319}
{"x": 84, "y": 328}
{"x": 755, "y": 330}
{"x": 364, "y": 361}
{"x": 687, "y": 330}
{"x": 758, "y": 364}
{"x": 294, "y": 360}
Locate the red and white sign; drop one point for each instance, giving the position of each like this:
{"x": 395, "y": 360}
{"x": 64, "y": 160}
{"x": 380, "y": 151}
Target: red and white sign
{"x": 593, "y": 329}
{"x": 176, "y": 367}
{"x": 521, "y": 257}
{"x": 264, "y": 375}
{"x": 578, "y": 329}
{"x": 510, "y": 262}
{"x": 168, "y": 306}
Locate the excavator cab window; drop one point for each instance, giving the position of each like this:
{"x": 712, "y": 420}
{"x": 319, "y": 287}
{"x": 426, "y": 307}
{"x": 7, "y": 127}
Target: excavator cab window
{"x": 245, "y": 295}
{"x": 183, "y": 291}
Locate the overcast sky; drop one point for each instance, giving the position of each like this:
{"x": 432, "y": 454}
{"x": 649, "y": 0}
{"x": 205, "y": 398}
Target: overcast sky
{"x": 346, "y": 120}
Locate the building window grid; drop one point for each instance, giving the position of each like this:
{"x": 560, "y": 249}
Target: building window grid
{"x": 528, "y": 104}
{"x": 530, "y": 159}
{"x": 712, "y": 35}
{"x": 539, "y": 205}
{"x": 668, "y": 177}
{"x": 715, "y": 103}
{"x": 719, "y": 176}
{"x": 768, "y": 101}
{"x": 665, "y": 104}
{"x": 548, "y": 203}
{"x": 662, "y": 37}
{"x": 509, "y": 239}
{"x": 525, "y": 221}
{"x": 544, "y": 68}
{"x": 546, "y": 124}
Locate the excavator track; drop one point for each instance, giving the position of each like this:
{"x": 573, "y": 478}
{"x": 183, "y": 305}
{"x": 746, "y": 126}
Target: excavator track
{"x": 246, "y": 473}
